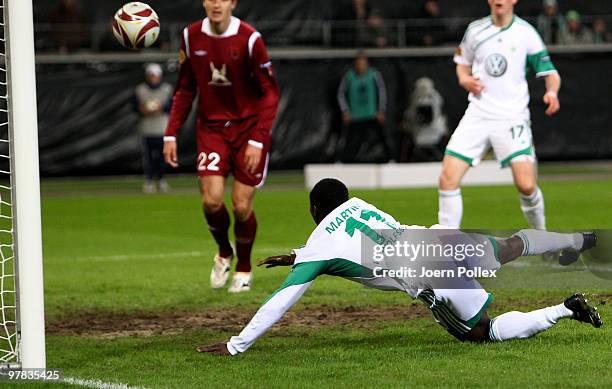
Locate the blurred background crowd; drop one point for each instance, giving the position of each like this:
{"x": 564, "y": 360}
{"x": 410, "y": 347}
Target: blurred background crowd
{"x": 89, "y": 124}
{"x": 84, "y": 25}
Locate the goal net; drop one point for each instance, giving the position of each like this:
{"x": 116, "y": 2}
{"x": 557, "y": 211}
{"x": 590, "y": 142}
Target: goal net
{"x": 21, "y": 289}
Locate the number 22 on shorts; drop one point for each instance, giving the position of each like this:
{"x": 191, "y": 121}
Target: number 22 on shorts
{"x": 209, "y": 162}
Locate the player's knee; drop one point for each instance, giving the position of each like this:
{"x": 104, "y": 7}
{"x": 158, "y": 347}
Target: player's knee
{"x": 448, "y": 181}
{"x": 242, "y": 208}
{"x": 212, "y": 204}
{"x": 526, "y": 188}
{"x": 509, "y": 249}
{"x": 480, "y": 332}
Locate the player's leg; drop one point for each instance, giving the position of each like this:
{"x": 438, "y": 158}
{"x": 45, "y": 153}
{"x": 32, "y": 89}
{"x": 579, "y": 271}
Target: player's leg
{"x": 521, "y": 325}
{"x": 464, "y": 149}
{"x": 517, "y": 325}
{"x": 531, "y": 197}
{"x": 450, "y": 201}
{"x": 245, "y": 228}
{"x": 463, "y": 313}
{"x": 217, "y": 218}
{"x": 458, "y": 310}
{"x": 529, "y": 243}
{"x": 213, "y": 165}
{"x": 536, "y": 242}
{"x": 512, "y": 142}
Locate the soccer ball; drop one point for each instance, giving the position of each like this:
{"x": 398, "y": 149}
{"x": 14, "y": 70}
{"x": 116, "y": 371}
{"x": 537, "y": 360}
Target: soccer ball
{"x": 136, "y": 25}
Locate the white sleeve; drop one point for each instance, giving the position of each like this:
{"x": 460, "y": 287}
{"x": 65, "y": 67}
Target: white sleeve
{"x": 534, "y": 42}
{"x": 464, "y": 55}
{"x": 298, "y": 280}
{"x": 266, "y": 317}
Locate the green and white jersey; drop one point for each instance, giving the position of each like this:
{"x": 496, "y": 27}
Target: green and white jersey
{"x": 501, "y": 58}
{"x": 334, "y": 248}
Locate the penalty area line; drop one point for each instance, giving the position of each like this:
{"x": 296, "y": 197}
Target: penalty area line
{"x": 97, "y": 384}
{"x": 183, "y": 254}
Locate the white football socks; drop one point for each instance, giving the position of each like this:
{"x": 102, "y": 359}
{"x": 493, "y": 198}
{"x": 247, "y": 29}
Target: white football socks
{"x": 450, "y": 208}
{"x": 533, "y": 209}
{"x": 519, "y": 325}
{"x": 539, "y": 242}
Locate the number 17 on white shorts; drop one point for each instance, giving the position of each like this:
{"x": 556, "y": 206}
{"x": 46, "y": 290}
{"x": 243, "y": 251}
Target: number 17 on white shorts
{"x": 510, "y": 140}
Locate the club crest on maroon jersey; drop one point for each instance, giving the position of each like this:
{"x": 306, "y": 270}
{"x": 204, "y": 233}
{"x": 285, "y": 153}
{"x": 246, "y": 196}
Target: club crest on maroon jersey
{"x": 219, "y": 76}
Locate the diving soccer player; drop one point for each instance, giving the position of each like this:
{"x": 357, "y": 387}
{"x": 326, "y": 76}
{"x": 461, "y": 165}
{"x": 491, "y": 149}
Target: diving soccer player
{"x": 337, "y": 251}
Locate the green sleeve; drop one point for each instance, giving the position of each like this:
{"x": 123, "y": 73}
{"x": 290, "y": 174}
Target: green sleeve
{"x": 347, "y": 269}
{"x": 540, "y": 62}
{"x": 301, "y": 273}
{"x": 304, "y": 272}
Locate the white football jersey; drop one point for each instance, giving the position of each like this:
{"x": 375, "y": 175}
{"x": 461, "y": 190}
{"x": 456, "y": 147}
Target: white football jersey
{"x": 501, "y": 58}
{"x": 335, "y": 248}
{"x": 338, "y": 238}
{"x": 335, "y": 236}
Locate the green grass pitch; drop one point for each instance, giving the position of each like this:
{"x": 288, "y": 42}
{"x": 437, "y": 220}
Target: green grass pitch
{"x": 126, "y": 278}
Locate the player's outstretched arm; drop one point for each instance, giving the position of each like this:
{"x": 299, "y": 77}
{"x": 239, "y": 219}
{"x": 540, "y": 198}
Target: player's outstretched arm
{"x": 277, "y": 260}
{"x": 551, "y": 98}
{"x": 296, "y": 283}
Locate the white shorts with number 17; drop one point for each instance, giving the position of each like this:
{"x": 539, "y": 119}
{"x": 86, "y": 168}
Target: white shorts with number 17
{"x": 510, "y": 140}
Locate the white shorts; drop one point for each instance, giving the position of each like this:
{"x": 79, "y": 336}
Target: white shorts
{"x": 457, "y": 310}
{"x": 511, "y": 140}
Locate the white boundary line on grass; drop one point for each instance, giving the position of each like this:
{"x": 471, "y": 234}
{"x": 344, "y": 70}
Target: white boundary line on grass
{"x": 180, "y": 254}
{"x": 127, "y": 257}
{"x": 97, "y": 384}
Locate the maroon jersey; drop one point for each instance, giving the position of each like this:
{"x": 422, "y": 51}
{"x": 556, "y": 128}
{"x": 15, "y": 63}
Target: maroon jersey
{"x": 231, "y": 73}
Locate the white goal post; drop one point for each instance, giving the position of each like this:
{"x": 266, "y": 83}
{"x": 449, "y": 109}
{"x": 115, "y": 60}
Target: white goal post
{"x": 28, "y": 344}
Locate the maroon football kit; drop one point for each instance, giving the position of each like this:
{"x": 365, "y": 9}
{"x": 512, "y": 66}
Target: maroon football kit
{"x": 231, "y": 74}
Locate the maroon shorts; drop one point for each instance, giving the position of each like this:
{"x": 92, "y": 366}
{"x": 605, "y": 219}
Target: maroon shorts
{"x": 221, "y": 148}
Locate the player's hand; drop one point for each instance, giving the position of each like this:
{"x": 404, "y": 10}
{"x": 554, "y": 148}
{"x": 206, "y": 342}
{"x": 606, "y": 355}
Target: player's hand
{"x": 346, "y": 118}
{"x": 277, "y": 260}
{"x": 380, "y": 116}
{"x": 252, "y": 157}
{"x": 472, "y": 84}
{"x": 170, "y": 155}
{"x": 217, "y": 349}
{"x": 552, "y": 100}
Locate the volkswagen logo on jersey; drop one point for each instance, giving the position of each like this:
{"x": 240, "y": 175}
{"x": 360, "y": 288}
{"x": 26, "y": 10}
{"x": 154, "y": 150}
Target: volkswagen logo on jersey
{"x": 496, "y": 65}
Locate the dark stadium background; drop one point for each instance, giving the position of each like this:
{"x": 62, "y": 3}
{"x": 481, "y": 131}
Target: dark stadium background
{"x": 87, "y": 127}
